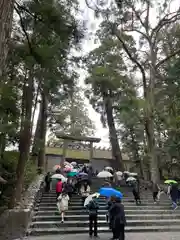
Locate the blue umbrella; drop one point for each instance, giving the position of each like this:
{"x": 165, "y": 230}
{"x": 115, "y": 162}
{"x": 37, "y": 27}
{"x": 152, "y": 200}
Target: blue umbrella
{"x": 108, "y": 192}
{"x": 82, "y": 174}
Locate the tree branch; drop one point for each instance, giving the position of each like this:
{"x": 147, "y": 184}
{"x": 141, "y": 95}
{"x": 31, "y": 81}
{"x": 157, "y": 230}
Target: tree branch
{"x": 133, "y": 59}
{"x": 164, "y": 21}
{"x": 136, "y": 30}
{"x": 167, "y": 58}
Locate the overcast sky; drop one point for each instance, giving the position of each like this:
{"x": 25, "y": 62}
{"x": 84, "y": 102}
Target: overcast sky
{"x": 92, "y": 24}
{"x": 88, "y": 45}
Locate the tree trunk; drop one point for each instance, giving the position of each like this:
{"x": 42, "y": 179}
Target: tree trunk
{"x": 36, "y": 144}
{"x": 113, "y": 134}
{"x": 136, "y": 152}
{"x": 149, "y": 126}
{"x": 25, "y": 139}
{"x": 43, "y": 128}
{"x": 6, "y": 16}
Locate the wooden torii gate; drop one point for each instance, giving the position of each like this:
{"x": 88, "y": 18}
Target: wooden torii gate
{"x": 68, "y": 138}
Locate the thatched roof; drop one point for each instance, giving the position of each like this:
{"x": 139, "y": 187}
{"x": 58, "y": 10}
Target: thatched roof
{"x": 2, "y": 180}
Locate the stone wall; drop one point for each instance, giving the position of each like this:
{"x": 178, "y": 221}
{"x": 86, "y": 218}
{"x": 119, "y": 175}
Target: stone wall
{"x": 14, "y": 222}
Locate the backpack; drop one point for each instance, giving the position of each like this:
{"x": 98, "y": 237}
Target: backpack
{"x": 93, "y": 207}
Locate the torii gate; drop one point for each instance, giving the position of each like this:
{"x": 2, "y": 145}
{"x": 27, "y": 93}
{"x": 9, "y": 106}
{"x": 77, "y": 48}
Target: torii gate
{"x": 68, "y": 138}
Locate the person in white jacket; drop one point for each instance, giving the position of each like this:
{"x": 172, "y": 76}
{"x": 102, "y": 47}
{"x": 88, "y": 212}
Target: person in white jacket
{"x": 62, "y": 204}
{"x": 85, "y": 192}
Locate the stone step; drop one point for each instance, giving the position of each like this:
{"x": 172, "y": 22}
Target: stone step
{"x": 102, "y": 202}
{"x": 73, "y": 230}
{"x": 125, "y": 194}
{"x": 103, "y": 217}
{"x": 133, "y": 211}
{"x": 137, "y": 222}
{"x": 163, "y": 198}
{"x": 53, "y": 199}
{"x": 79, "y": 205}
{"x": 133, "y": 206}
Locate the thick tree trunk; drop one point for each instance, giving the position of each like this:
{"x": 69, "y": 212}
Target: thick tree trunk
{"x": 43, "y": 129}
{"x": 113, "y": 134}
{"x": 149, "y": 128}
{"x": 36, "y": 143}
{"x": 6, "y": 16}
{"x": 25, "y": 140}
{"x": 136, "y": 153}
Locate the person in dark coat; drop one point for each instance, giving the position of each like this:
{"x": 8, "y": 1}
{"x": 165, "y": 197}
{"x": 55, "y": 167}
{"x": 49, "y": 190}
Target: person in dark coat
{"x": 119, "y": 220}
{"x": 174, "y": 195}
{"x": 92, "y": 208}
{"x": 155, "y": 191}
{"x": 136, "y": 192}
{"x": 68, "y": 188}
{"x": 109, "y": 218}
{"x": 47, "y": 182}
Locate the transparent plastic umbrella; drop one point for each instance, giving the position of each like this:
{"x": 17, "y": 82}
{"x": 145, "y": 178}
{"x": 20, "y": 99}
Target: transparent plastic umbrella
{"x": 104, "y": 174}
{"x": 130, "y": 179}
{"x": 90, "y": 197}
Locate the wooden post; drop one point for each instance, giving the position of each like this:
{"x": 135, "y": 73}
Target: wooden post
{"x": 90, "y": 151}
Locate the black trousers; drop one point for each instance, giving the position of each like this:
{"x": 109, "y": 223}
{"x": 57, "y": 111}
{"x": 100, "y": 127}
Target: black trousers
{"x": 136, "y": 197}
{"x": 155, "y": 196}
{"x": 47, "y": 187}
{"x": 83, "y": 199}
{"x": 58, "y": 194}
{"x": 93, "y": 225}
{"x": 118, "y": 232}
{"x": 70, "y": 194}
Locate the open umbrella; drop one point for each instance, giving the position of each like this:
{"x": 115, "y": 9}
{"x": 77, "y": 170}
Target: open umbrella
{"x": 68, "y": 164}
{"x": 130, "y": 179}
{"x": 104, "y": 174}
{"x": 119, "y": 173}
{"x": 108, "y": 168}
{"x": 56, "y": 167}
{"x": 59, "y": 176}
{"x": 72, "y": 174}
{"x": 90, "y": 197}
{"x": 170, "y": 182}
{"x": 74, "y": 163}
{"x": 67, "y": 169}
{"x": 126, "y": 172}
{"x": 133, "y": 174}
{"x": 74, "y": 170}
{"x": 108, "y": 192}
{"x": 82, "y": 174}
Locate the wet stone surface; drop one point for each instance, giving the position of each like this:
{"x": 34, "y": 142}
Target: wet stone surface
{"x": 129, "y": 236}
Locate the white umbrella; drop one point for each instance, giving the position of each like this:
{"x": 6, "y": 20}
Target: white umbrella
{"x": 133, "y": 174}
{"x": 108, "y": 168}
{"x": 90, "y": 197}
{"x": 59, "y": 176}
{"x": 67, "y": 163}
{"x": 74, "y": 170}
{"x": 119, "y": 173}
{"x": 130, "y": 179}
{"x": 56, "y": 167}
{"x": 126, "y": 172}
{"x": 104, "y": 174}
{"x": 74, "y": 163}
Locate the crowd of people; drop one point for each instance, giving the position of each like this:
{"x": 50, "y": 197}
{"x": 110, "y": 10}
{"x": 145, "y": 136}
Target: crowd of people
{"x": 115, "y": 216}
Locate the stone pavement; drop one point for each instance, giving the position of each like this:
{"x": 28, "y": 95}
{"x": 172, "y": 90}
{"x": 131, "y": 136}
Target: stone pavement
{"x": 129, "y": 236}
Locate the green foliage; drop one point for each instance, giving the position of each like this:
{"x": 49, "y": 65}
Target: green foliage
{"x": 8, "y": 172}
{"x": 39, "y": 60}
{"x": 71, "y": 116}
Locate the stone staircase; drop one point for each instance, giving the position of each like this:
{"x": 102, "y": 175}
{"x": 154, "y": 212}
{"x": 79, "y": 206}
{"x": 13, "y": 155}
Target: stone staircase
{"x": 147, "y": 217}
